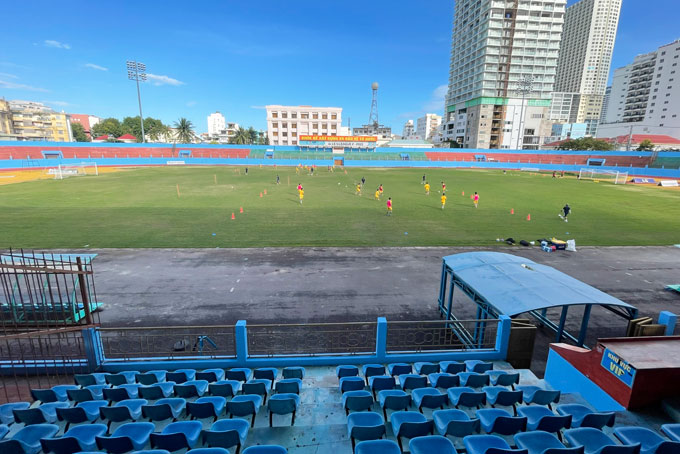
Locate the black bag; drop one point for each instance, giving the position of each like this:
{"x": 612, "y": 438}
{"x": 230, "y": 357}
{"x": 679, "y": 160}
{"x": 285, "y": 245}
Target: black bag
{"x": 524, "y": 243}
{"x": 510, "y": 241}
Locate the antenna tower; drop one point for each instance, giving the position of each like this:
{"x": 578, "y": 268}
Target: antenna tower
{"x": 373, "y": 118}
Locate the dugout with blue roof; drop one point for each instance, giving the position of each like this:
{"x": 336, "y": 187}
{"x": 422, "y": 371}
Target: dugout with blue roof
{"x": 505, "y": 284}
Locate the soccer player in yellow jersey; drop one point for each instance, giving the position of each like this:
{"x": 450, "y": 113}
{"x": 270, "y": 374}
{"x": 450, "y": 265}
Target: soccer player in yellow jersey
{"x": 443, "y": 200}
{"x": 302, "y": 195}
{"x": 427, "y": 188}
{"x": 377, "y": 194}
{"x": 358, "y": 189}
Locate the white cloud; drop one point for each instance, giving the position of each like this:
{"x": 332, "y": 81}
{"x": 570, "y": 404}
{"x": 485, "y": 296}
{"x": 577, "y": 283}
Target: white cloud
{"x": 97, "y": 67}
{"x": 258, "y": 107}
{"x": 15, "y": 86}
{"x": 57, "y": 44}
{"x": 163, "y": 80}
{"x": 436, "y": 102}
{"x": 191, "y": 103}
{"x": 8, "y": 76}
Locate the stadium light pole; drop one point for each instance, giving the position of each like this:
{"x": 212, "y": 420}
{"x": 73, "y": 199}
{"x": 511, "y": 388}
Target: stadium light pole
{"x": 137, "y": 71}
{"x": 525, "y": 87}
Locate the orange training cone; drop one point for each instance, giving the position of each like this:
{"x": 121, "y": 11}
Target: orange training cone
{"x": 265, "y": 192}
{"x": 241, "y": 210}
{"x": 232, "y": 216}
{"x": 260, "y": 194}
{"x": 463, "y": 193}
{"x": 512, "y": 210}
{"x": 528, "y": 217}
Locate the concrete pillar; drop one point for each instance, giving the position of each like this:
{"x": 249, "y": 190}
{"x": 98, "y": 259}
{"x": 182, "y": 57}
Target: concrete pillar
{"x": 241, "y": 341}
{"x": 381, "y": 340}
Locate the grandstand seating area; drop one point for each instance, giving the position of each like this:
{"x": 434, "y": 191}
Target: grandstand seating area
{"x": 422, "y": 407}
{"x": 666, "y": 162}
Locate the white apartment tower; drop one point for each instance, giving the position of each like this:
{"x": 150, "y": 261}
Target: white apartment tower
{"x": 645, "y": 95}
{"x": 409, "y": 130}
{"x": 585, "y": 58}
{"x": 427, "y": 125}
{"x": 216, "y": 123}
{"x": 495, "y": 45}
{"x": 285, "y": 124}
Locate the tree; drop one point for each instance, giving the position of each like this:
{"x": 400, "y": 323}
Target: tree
{"x": 646, "y": 145}
{"x": 242, "y": 137}
{"x": 254, "y": 135}
{"x": 158, "y": 131}
{"x": 110, "y": 126}
{"x": 184, "y": 131}
{"x": 79, "y": 132}
{"x": 586, "y": 143}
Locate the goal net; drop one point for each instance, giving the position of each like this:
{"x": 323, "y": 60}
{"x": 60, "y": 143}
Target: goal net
{"x": 611, "y": 176}
{"x": 74, "y": 170}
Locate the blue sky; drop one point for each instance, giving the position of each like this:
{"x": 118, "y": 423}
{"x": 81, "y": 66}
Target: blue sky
{"x": 237, "y": 56}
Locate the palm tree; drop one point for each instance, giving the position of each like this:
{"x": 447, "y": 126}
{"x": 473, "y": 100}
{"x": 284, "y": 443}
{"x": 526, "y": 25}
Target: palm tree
{"x": 184, "y": 131}
{"x": 159, "y": 132}
{"x": 253, "y": 135}
{"x": 242, "y": 137}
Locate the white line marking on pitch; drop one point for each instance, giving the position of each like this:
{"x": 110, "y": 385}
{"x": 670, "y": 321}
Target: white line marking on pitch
{"x": 232, "y": 289}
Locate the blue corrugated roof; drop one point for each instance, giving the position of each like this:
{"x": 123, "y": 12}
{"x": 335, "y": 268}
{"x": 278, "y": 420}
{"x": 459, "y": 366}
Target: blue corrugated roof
{"x": 515, "y": 285}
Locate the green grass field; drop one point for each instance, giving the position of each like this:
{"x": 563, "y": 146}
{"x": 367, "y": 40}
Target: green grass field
{"x": 140, "y": 208}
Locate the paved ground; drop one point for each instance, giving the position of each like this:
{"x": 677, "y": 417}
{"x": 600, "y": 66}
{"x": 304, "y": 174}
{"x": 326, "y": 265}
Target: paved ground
{"x": 162, "y": 287}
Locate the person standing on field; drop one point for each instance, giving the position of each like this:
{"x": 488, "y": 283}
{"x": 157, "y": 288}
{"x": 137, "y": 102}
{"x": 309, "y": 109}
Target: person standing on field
{"x": 389, "y": 206}
{"x": 443, "y": 200}
{"x": 475, "y": 199}
{"x": 566, "y": 210}
{"x": 427, "y": 188}
{"x": 423, "y": 179}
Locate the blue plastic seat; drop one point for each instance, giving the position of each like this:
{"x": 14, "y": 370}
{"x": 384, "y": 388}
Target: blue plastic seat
{"x": 393, "y": 399}
{"x": 451, "y": 367}
{"x": 503, "y": 378}
{"x": 443, "y": 380}
{"x": 346, "y": 371}
{"x": 177, "y": 435}
{"x": 268, "y": 373}
{"x": 650, "y": 441}
{"x": 399, "y": 369}
{"x": 7, "y": 411}
{"x": 224, "y": 388}
{"x": 151, "y": 377}
{"x": 181, "y": 375}
{"x": 496, "y": 420}
{"x": 351, "y": 384}
{"x": 122, "y": 392}
{"x": 365, "y": 426}
{"x": 500, "y": 395}
{"x": 191, "y": 388}
{"x": 127, "y": 437}
{"x": 412, "y": 381}
{"x": 157, "y": 391}
{"x": 371, "y": 370}
{"x": 54, "y": 394}
{"x": 209, "y": 451}
{"x": 226, "y": 433}
{"x": 211, "y": 375}
{"x": 672, "y": 431}
{"x": 378, "y": 383}
{"x": 245, "y": 405}
{"x": 594, "y": 441}
{"x": 539, "y": 442}
{"x": 78, "y": 438}
{"x": 45, "y": 413}
{"x": 475, "y": 365}
{"x": 239, "y": 373}
{"x": 357, "y": 401}
{"x": 293, "y": 372}
{"x": 583, "y": 416}
{"x": 84, "y": 411}
{"x": 429, "y": 398}
{"x": 426, "y": 368}
{"x": 376, "y": 447}
{"x": 538, "y": 395}
{"x": 283, "y": 404}
{"x": 473, "y": 379}
{"x": 464, "y": 396}
{"x": 120, "y": 378}
{"x": 489, "y": 444}
{"x": 125, "y": 410}
{"x": 430, "y": 444}
{"x": 207, "y": 407}
{"x": 290, "y": 385}
{"x": 410, "y": 424}
{"x": 4, "y": 430}
{"x": 145, "y": 451}
{"x": 90, "y": 379}
{"x": 541, "y": 418}
{"x": 259, "y": 386}
{"x": 265, "y": 449}
{"x": 27, "y": 439}
{"x": 91, "y": 392}
{"x": 454, "y": 422}
{"x": 168, "y": 408}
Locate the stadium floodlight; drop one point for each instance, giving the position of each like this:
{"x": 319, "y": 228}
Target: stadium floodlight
{"x": 525, "y": 86}
{"x": 137, "y": 71}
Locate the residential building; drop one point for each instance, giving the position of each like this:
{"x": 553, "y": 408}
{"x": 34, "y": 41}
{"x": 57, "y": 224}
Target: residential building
{"x": 286, "y": 123}
{"x": 565, "y": 131}
{"x": 502, "y": 73}
{"x": 630, "y": 142}
{"x": 645, "y": 97}
{"x": 408, "y": 130}
{"x": 87, "y": 121}
{"x": 216, "y": 124}
{"x": 6, "y": 122}
{"x": 605, "y": 103}
{"x": 35, "y": 121}
{"x": 585, "y": 58}
{"x": 426, "y": 126}
{"x": 382, "y": 132}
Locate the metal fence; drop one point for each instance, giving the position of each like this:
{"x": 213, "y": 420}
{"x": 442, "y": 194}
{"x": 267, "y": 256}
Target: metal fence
{"x": 39, "y": 359}
{"x": 312, "y": 339}
{"x": 168, "y": 342}
{"x": 438, "y": 336}
{"x": 45, "y": 290}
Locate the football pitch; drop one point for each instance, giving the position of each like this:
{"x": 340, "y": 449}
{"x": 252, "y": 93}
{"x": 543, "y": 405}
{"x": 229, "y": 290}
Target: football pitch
{"x": 192, "y": 207}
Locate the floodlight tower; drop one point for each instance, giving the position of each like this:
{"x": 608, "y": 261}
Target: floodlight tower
{"x": 373, "y": 118}
{"x": 137, "y": 71}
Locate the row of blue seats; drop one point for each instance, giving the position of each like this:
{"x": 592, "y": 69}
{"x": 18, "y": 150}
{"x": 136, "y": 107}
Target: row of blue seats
{"x": 421, "y": 368}
{"x": 437, "y": 379}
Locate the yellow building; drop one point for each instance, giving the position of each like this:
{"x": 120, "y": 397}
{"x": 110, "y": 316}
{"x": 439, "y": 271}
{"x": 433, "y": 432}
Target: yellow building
{"x": 60, "y": 127}
{"x": 6, "y": 129}
{"x": 35, "y": 121}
